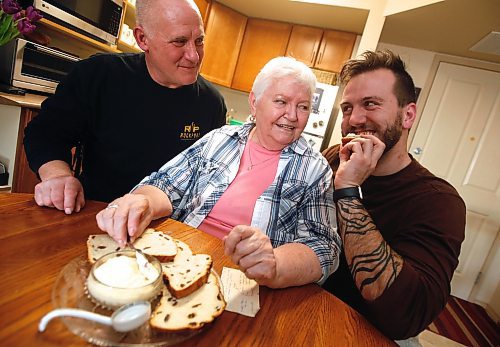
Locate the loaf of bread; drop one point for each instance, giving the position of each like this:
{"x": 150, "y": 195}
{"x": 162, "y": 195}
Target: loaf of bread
{"x": 191, "y": 312}
{"x": 151, "y": 242}
{"x": 186, "y": 274}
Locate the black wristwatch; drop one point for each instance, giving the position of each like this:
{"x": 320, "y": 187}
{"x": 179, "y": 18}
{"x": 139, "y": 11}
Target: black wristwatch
{"x": 354, "y": 192}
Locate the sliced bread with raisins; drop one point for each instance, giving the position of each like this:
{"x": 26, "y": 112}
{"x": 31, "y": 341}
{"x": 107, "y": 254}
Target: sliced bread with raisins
{"x": 183, "y": 250}
{"x": 157, "y": 244}
{"x": 186, "y": 274}
{"x": 152, "y": 242}
{"x": 191, "y": 312}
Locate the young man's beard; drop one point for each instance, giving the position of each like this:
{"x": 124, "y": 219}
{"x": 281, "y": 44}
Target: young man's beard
{"x": 392, "y": 134}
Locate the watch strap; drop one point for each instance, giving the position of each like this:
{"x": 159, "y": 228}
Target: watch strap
{"x": 349, "y": 192}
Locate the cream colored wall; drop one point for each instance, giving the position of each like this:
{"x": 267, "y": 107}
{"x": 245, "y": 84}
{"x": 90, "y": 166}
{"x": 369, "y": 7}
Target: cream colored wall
{"x": 417, "y": 61}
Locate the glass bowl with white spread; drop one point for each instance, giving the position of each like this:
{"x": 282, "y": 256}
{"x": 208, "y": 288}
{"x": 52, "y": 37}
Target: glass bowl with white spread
{"x": 115, "y": 279}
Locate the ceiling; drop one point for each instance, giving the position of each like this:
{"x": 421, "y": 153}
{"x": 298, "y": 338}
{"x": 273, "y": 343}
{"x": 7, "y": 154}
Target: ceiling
{"x": 447, "y": 27}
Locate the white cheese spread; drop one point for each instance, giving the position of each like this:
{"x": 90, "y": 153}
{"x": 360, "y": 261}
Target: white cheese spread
{"x": 117, "y": 281}
{"x": 122, "y": 272}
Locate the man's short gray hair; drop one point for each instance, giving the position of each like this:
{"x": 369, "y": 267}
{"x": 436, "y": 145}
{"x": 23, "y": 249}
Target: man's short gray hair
{"x": 143, "y": 9}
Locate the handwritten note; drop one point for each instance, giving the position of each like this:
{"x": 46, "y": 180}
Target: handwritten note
{"x": 241, "y": 294}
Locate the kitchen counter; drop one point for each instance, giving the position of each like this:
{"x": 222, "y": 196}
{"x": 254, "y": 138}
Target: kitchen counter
{"x": 27, "y": 100}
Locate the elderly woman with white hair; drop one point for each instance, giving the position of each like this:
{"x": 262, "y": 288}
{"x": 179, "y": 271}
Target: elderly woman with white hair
{"x": 259, "y": 187}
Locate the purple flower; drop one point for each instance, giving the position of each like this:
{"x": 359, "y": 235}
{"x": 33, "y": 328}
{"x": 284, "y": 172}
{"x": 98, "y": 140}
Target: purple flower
{"x": 25, "y": 27}
{"x": 10, "y": 6}
{"x": 14, "y": 20}
{"x": 32, "y": 14}
{"x": 19, "y": 15}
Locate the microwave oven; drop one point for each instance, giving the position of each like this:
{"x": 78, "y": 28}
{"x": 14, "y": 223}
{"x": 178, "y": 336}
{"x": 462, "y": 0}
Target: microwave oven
{"x": 28, "y": 65}
{"x": 99, "y": 19}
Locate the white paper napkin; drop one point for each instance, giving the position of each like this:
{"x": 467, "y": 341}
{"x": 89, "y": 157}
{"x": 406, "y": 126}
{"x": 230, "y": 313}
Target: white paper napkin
{"x": 241, "y": 294}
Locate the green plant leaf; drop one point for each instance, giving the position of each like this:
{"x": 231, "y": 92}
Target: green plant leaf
{"x": 8, "y": 29}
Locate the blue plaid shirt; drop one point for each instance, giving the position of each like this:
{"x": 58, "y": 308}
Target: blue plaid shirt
{"x": 297, "y": 206}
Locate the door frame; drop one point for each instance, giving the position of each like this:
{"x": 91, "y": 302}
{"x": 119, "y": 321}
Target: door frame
{"x": 424, "y": 94}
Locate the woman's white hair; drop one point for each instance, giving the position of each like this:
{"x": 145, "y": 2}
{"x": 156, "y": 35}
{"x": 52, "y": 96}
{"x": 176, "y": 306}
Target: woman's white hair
{"x": 280, "y": 67}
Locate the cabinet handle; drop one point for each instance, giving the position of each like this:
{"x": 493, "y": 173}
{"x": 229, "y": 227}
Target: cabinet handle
{"x": 311, "y": 58}
{"x": 320, "y": 57}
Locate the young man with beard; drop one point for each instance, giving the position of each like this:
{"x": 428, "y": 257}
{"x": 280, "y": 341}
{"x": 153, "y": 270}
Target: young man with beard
{"x": 129, "y": 112}
{"x": 401, "y": 226}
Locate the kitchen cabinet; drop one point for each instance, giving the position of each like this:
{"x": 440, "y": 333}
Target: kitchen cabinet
{"x": 204, "y": 7}
{"x": 336, "y": 47}
{"x": 224, "y": 35}
{"x": 320, "y": 49}
{"x": 304, "y": 44}
{"x": 263, "y": 40}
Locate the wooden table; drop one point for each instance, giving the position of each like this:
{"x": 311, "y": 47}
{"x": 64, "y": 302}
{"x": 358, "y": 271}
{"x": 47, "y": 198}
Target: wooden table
{"x": 36, "y": 243}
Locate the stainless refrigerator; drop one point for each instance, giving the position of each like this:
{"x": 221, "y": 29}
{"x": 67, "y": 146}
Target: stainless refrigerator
{"x": 319, "y": 126}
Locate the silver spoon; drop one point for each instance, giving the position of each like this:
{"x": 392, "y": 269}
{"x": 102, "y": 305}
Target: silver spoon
{"x": 126, "y": 318}
{"x": 145, "y": 267}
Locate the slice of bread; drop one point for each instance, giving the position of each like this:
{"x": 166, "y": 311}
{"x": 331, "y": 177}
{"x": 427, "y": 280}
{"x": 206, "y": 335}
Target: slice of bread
{"x": 157, "y": 244}
{"x": 100, "y": 245}
{"x": 191, "y": 312}
{"x": 186, "y": 273}
{"x": 151, "y": 242}
{"x": 183, "y": 250}
{"x": 348, "y": 138}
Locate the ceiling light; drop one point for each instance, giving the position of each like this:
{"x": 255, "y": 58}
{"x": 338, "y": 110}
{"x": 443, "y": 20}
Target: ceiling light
{"x": 489, "y": 44}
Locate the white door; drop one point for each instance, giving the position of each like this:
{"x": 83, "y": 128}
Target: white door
{"x": 458, "y": 139}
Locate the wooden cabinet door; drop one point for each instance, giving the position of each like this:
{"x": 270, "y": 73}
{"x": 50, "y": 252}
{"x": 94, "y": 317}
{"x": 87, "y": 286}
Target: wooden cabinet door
{"x": 304, "y": 43}
{"x": 24, "y": 180}
{"x": 224, "y": 34}
{"x": 204, "y": 7}
{"x": 336, "y": 48}
{"x": 263, "y": 40}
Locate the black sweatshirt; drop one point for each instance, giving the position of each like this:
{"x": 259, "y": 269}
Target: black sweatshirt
{"x": 128, "y": 124}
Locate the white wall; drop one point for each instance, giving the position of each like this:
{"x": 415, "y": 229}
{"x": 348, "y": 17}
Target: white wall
{"x": 9, "y": 128}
